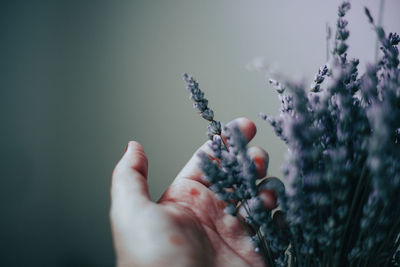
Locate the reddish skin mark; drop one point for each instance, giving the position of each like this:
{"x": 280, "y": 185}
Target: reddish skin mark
{"x": 224, "y": 139}
{"x": 175, "y": 240}
{"x": 269, "y": 198}
{"x": 194, "y": 192}
{"x": 260, "y": 162}
{"x": 214, "y": 159}
{"x": 126, "y": 149}
{"x": 221, "y": 205}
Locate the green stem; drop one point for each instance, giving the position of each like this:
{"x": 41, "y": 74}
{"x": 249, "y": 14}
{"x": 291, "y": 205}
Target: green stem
{"x": 380, "y": 18}
{"x": 328, "y": 38}
{"x": 265, "y": 248}
{"x": 222, "y": 138}
{"x": 356, "y": 198}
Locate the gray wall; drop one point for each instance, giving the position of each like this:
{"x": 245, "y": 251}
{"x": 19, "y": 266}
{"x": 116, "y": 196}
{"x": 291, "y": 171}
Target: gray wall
{"x": 79, "y": 79}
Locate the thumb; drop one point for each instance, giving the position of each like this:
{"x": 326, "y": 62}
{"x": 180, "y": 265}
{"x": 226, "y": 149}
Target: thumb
{"x": 129, "y": 187}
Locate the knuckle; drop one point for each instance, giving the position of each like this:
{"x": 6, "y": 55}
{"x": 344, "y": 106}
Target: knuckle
{"x": 256, "y": 150}
{"x": 204, "y": 148}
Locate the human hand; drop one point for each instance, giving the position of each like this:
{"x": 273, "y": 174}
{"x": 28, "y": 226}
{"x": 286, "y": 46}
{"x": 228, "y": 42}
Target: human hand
{"x": 187, "y": 226}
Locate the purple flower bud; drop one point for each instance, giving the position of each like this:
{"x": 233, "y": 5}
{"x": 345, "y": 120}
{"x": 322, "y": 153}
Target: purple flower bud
{"x": 341, "y": 48}
{"x": 201, "y": 105}
{"x": 208, "y": 114}
{"x": 366, "y": 10}
{"x": 197, "y": 96}
{"x": 214, "y": 127}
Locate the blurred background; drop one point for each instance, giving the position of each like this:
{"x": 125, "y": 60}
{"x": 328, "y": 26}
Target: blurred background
{"x": 79, "y": 79}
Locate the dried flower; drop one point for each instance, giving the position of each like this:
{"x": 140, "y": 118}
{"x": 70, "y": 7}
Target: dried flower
{"x": 342, "y": 169}
{"x": 201, "y": 105}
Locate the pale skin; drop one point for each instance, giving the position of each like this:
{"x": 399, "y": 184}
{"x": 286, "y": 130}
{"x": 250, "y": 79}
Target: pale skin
{"x": 187, "y": 226}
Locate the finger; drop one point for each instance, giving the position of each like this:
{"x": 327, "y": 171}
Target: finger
{"x": 261, "y": 159}
{"x": 271, "y": 191}
{"x": 243, "y": 217}
{"x": 192, "y": 170}
{"x": 273, "y": 183}
{"x": 269, "y": 199}
{"x": 129, "y": 180}
{"x": 247, "y": 128}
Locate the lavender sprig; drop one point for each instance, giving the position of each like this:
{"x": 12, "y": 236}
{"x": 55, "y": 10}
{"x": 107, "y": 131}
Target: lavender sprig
{"x": 319, "y": 78}
{"x": 338, "y": 197}
{"x": 341, "y": 32}
{"x": 201, "y": 105}
{"x": 343, "y": 167}
{"x": 234, "y": 179}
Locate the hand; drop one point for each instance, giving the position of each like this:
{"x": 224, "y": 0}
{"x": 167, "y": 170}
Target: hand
{"x": 187, "y": 226}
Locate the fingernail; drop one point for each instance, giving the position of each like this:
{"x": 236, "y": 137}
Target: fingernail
{"x": 260, "y": 163}
{"x": 268, "y": 198}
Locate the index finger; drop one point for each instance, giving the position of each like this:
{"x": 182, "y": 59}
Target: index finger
{"x": 193, "y": 172}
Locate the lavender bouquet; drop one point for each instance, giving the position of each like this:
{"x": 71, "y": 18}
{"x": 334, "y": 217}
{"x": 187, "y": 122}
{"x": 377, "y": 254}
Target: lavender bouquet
{"x": 342, "y": 169}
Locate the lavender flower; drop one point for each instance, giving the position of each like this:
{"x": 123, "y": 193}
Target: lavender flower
{"x": 343, "y": 173}
{"x": 234, "y": 179}
{"x": 343, "y": 166}
{"x": 341, "y": 32}
{"x": 201, "y": 105}
{"x": 319, "y": 78}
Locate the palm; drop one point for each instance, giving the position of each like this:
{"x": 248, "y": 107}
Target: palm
{"x": 219, "y": 238}
{"x": 186, "y": 227}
